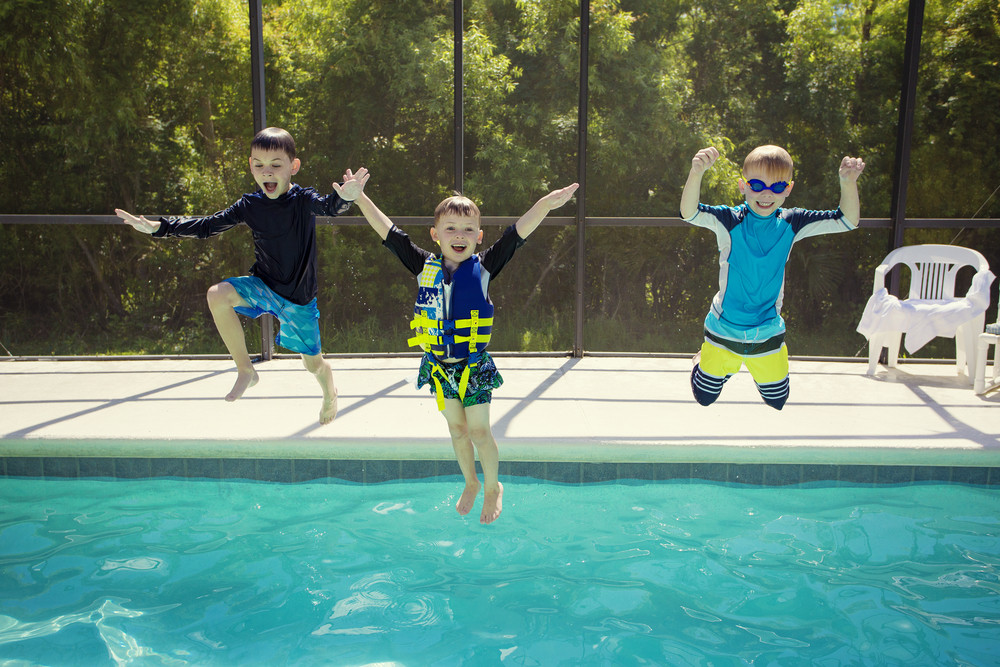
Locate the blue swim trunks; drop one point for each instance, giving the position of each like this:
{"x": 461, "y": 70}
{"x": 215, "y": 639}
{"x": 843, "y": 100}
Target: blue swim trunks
{"x": 299, "y": 325}
{"x": 482, "y": 380}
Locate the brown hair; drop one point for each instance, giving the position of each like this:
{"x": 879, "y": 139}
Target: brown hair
{"x": 774, "y": 161}
{"x": 459, "y": 205}
{"x": 274, "y": 138}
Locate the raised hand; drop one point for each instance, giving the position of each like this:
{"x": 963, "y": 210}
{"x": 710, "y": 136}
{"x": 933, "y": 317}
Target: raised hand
{"x": 704, "y": 159}
{"x": 851, "y": 168}
{"x": 557, "y": 198}
{"x": 353, "y": 186}
{"x": 139, "y": 222}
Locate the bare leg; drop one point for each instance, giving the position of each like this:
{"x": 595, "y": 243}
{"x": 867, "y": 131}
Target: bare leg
{"x": 478, "y": 419}
{"x": 454, "y": 413}
{"x": 321, "y": 369}
{"x": 222, "y": 298}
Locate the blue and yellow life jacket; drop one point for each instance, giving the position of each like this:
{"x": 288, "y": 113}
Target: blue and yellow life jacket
{"x": 452, "y": 320}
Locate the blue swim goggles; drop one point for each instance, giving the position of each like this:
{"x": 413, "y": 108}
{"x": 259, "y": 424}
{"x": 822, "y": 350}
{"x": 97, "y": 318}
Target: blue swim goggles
{"x": 758, "y": 185}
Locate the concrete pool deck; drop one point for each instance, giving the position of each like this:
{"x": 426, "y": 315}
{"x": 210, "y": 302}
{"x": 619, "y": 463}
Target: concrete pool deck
{"x": 597, "y": 408}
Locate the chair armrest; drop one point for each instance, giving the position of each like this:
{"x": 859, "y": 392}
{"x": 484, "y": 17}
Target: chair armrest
{"x": 880, "y": 272}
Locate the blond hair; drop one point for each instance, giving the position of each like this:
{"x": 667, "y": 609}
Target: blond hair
{"x": 459, "y": 205}
{"x": 774, "y": 161}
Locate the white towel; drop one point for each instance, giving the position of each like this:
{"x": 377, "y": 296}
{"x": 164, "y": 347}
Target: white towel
{"x": 923, "y": 319}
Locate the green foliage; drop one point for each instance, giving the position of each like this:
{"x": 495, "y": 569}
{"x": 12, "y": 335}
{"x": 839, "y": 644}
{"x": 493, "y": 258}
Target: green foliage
{"x": 145, "y": 105}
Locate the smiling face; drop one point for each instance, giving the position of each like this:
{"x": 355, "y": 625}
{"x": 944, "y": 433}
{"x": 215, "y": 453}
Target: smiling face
{"x": 768, "y": 164}
{"x": 273, "y": 170}
{"x": 766, "y": 201}
{"x": 458, "y": 236}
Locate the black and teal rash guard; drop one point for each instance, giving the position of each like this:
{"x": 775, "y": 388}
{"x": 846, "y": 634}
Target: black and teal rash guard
{"x": 753, "y": 251}
{"x": 284, "y": 235}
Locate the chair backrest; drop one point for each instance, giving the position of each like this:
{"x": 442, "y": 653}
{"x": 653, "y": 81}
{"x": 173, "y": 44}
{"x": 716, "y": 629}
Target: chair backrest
{"x": 933, "y": 267}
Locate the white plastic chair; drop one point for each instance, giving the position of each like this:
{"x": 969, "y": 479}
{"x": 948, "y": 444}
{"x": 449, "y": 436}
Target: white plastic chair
{"x": 990, "y": 337}
{"x": 932, "y": 309}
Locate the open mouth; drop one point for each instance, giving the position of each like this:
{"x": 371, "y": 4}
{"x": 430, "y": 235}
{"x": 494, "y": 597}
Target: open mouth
{"x": 765, "y": 204}
{"x": 459, "y": 247}
{"x": 270, "y": 188}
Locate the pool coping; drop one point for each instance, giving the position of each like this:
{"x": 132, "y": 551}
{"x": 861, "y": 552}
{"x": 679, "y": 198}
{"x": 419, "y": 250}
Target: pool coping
{"x": 361, "y": 471}
{"x": 573, "y": 415}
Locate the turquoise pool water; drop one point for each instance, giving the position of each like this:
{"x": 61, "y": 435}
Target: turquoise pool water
{"x": 182, "y": 572}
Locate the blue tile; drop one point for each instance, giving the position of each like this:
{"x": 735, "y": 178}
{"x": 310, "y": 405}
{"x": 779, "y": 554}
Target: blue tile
{"x": 677, "y": 472}
{"x": 861, "y": 474}
{"x": 643, "y": 471}
{"x": 275, "y": 470}
{"x": 208, "y": 468}
{"x": 132, "y": 468}
{"x": 310, "y": 470}
{"x": 962, "y": 475}
{"x": 97, "y": 467}
{"x": 377, "y": 471}
{"x": 819, "y": 472}
{"x": 782, "y": 474}
{"x": 166, "y": 467}
{"x": 746, "y": 473}
{"x": 239, "y": 469}
{"x": 931, "y": 474}
{"x": 894, "y": 474}
{"x": 24, "y": 466}
{"x": 710, "y": 472}
{"x": 563, "y": 472}
{"x": 598, "y": 472}
{"x": 348, "y": 470}
{"x": 419, "y": 469}
{"x": 61, "y": 467}
{"x": 532, "y": 469}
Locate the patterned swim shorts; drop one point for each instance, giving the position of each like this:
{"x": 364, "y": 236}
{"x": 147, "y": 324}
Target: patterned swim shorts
{"x": 483, "y": 379}
{"x": 299, "y": 325}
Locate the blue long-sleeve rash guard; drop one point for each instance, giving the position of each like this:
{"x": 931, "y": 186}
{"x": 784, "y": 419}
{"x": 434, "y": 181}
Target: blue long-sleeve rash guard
{"x": 284, "y": 235}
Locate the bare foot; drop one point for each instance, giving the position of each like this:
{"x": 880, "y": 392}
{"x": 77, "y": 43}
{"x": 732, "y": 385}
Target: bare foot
{"x": 492, "y": 504}
{"x": 468, "y": 499}
{"x": 329, "y": 409}
{"x": 244, "y": 381}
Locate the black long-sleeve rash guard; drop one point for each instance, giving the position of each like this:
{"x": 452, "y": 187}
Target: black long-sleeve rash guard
{"x": 284, "y": 235}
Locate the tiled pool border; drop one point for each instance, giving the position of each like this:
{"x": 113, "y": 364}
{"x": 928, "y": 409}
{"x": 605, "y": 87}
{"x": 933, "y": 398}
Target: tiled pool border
{"x": 361, "y": 471}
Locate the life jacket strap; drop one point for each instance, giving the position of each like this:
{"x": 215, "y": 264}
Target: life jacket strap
{"x": 426, "y": 340}
{"x": 438, "y": 374}
{"x": 439, "y": 393}
{"x": 422, "y": 324}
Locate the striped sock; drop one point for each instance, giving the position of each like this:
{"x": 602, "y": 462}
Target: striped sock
{"x": 774, "y": 393}
{"x": 706, "y": 388}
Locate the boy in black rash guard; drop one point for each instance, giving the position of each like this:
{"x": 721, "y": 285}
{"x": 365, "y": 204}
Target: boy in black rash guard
{"x": 453, "y": 318}
{"x": 282, "y": 280}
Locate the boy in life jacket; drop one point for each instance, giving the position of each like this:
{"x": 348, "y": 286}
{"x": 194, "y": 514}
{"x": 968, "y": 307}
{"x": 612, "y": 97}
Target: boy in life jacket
{"x": 744, "y": 324}
{"x": 282, "y": 280}
{"x": 453, "y": 317}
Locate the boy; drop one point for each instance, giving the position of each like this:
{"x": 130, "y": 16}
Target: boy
{"x": 453, "y": 319}
{"x": 744, "y": 325}
{"x": 282, "y": 280}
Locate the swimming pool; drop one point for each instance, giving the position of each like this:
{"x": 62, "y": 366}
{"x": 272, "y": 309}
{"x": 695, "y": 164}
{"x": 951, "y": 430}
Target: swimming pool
{"x": 223, "y": 572}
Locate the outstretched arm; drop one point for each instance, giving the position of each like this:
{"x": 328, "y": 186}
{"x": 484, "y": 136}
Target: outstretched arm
{"x": 700, "y": 163}
{"x": 528, "y": 222}
{"x": 354, "y": 189}
{"x": 139, "y": 222}
{"x": 378, "y": 220}
{"x": 850, "y": 202}
{"x": 353, "y": 185}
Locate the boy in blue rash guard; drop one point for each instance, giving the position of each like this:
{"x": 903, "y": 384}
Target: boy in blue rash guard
{"x": 282, "y": 280}
{"x": 453, "y": 318}
{"x": 744, "y": 325}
